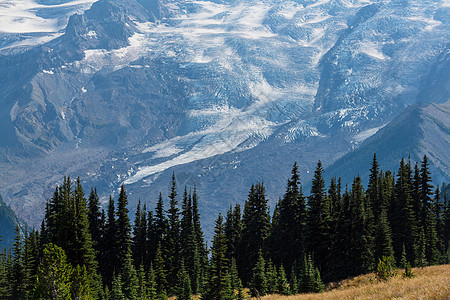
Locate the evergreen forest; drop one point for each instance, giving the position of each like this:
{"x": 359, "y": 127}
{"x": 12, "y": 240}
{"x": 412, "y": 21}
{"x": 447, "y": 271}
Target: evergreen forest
{"x": 337, "y": 231}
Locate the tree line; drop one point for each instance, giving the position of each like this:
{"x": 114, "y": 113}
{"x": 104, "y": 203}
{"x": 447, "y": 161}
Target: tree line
{"x": 84, "y": 252}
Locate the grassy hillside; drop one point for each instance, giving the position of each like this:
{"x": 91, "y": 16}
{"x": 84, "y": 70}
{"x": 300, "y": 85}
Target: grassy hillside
{"x": 429, "y": 283}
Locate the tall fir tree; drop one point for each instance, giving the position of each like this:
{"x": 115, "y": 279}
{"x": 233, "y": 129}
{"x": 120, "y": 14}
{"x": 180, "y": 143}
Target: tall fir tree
{"x": 289, "y": 224}
{"x": 172, "y": 245}
{"x": 110, "y": 256}
{"x": 96, "y": 224}
{"x": 258, "y": 283}
{"x": 218, "y": 281}
{"x": 123, "y": 228}
{"x": 18, "y": 283}
{"x": 319, "y": 220}
{"x": 373, "y": 188}
{"x": 139, "y": 239}
{"x": 255, "y": 230}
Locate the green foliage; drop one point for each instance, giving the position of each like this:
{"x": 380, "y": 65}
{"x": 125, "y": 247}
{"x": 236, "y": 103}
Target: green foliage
{"x": 54, "y": 275}
{"x": 310, "y": 280}
{"x": 408, "y": 272}
{"x": 395, "y": 220}
{"x": 386, "y": 268}
{"x": 283, "y": 286}
{"x": 183, "y": 289}
{"x": 255, "y": 230}
{"x": 219, "y": 281}
{"x": 258, "y": 284}
{"x": 287, "y": 241}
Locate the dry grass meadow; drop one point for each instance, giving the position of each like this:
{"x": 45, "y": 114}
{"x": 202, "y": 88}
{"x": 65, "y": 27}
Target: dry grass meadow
{"x": 428, "y": 283}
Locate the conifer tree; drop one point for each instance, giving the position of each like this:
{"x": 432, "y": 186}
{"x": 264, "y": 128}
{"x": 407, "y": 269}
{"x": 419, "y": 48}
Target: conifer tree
{"x": 108, "y": 263}
{"x": 142, "y": 292}
{"x": 82, "y": 252}
{"x": 116, "y": 291}
{"x": 234, "y": 276}
{"x": 172, "y": 245}
{"x": 438, "y": 209}
{"x": 233, "y": 228}
{"x": 96, "y": 223}
{"x": 130, "y": 284}
{"x": 271, "y": 278}
{"x": 361, "y": 251}
{"x": 258, "y": 284}
{"x": 425, "y": 191}
{"x": 183, "y": 289}
{"x": 80, "y": 284}
{"x": 373, "y": 189}
{"x": 288, "y": 233}
{"x": 403, "y": 260}
{"x": 54, "y": 273}
{"x": 432, "y": 253}
{"x": 151, "y": 284}
{"x": 383, "y": 237}
{"x": 255, "y": 230}
{"x": 218, "y": 281}
{"x": 160, "y": 273}
{"x": 293, "y": 283}
{"x": 18, "y": 283}
{"x": 123, "y": 228}
{"x": 139, "y": 239}
{"x": 4, "y": 282}
{"x": 319, "y": 219}
{"x": 421, "y": 260}
{"x": 402, "y": 217}
{"x": 283, "y": 286}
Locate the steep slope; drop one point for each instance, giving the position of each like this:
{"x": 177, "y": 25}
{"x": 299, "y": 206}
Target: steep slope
{"x": 8, "y": 223}
{"x": 419, "y": 130}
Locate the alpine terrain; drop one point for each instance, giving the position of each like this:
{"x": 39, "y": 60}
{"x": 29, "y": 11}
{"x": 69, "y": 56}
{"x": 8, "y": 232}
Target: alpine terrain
{"x": 223, "y": 93}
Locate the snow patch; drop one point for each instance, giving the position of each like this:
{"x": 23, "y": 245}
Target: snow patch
{"x": 366, "y": 134}
{"x": 20, "y": 16}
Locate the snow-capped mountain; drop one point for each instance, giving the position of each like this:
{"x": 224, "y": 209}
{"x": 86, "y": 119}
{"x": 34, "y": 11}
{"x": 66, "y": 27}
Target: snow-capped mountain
{"x": 222, "y": 92}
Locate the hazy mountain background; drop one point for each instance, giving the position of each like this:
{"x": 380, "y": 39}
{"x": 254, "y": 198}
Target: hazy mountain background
{"x": 223, "y": 93}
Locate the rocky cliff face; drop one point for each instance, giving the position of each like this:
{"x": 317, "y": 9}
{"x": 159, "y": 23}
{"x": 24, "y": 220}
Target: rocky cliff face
{"x": 221, "y": 92}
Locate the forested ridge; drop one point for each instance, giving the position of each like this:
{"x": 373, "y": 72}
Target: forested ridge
{"x": 84, "y": 252}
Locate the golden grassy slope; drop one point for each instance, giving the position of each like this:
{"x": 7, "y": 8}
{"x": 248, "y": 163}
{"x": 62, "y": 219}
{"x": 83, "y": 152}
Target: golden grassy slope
{"x": 429, "y": 283}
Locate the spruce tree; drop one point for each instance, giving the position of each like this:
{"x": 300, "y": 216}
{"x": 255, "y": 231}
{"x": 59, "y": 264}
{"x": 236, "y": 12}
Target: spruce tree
{"x": 123, "y": 228}
{"x": 255, "y": 230}
{"x": 142, "y": 292}
{"x": 96, "y": 223}
{"x": 402, "y": 216}
{"x": 271, "y": 278}
{"x": 258, "y": 284}
{"x": 139, "y": 239}
{"x": 383, "y": 237}
{"x": 4, "y": 282}
{"x": 421, "y": 258}
{"x": 373, "y": 189}
{"x": 54, "y": 274}
{"x": 183, "y": 288}
{"x": 160, "y": 273}
{"x": 233, "y": 228}
{"x": 293, "y": 283}
{"x": 218, "y": 281}
{"x": 116, "y": 290}
{"x": 288, "y": 232}
{"x": 18, "y": 282}
{"x": 151, "y": 284}
{"x": 172, "y": 245}
{"x": 283, "y": 286}
{"x": 319, "y": 219}
{"x": 130, "y": 284}
{"x": 109, "y": 257}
